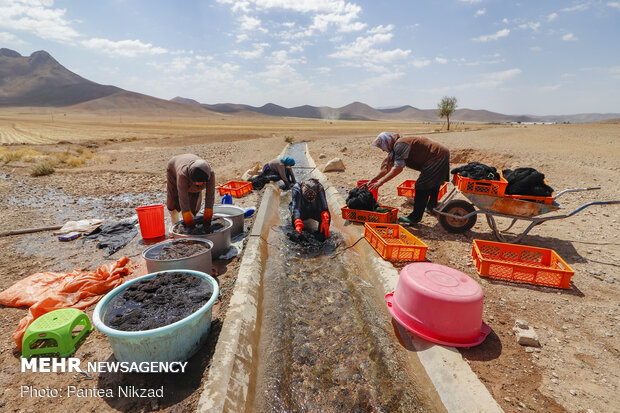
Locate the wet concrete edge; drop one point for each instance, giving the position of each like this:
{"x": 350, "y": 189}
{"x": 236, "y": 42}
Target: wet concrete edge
{"x": 457, "y": 385}
{"x": 226, "y": 388}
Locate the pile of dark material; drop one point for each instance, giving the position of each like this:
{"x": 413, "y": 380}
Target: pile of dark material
{"x": 179, "y": 249}
{"x": 217, "y": 224}
{"x": 526, "y": 181}
{"x": 157, "y": 302}
{"x": 259, "y": 181}
{"x": 361, "y": 198}
{"x": 477, "y": 170}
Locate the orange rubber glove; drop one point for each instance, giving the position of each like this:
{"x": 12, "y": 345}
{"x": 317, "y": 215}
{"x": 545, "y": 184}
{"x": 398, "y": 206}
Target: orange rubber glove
{"x": 188, "y": 218}
{"x": 207, "y": 216}
{"x": 299, "y": 225}
{"x": 325, "y": 223}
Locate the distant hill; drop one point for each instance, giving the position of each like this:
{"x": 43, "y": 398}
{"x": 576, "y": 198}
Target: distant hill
{"x": 39, "y": 80}
{"x": 179, "y": 99}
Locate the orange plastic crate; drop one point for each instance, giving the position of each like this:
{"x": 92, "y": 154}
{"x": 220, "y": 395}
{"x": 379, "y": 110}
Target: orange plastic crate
{"x": 481, "y": 186}
{"x": 360, "y": 215}
{"x": 407, "y": 188}
{"x": 537, "y": 199}
{"x": 235, "y": 188}
{"x": 521, "y": 263}
{"x": 394, "y": 243}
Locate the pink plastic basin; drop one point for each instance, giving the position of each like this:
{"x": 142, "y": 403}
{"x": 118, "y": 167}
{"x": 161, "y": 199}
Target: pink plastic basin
{"x": 440, "y": 304}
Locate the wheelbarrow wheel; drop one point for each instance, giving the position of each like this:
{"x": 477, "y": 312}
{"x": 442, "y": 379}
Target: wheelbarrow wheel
{"x": 460, "y": 208}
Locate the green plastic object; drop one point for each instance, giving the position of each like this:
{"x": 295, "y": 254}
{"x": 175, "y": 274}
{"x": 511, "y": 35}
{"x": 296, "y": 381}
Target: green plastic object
{"x": 56, "y": 325}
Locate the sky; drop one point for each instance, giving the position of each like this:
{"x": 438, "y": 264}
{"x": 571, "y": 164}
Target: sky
{"x": 528, "y": 57}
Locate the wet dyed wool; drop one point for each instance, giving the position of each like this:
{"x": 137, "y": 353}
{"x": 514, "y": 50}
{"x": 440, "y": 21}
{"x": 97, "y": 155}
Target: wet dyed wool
{"x": 259, "y": 181}
{"x": 526, "y": 181}
{"x": 361, "y": 198}
{"x": 477, "y": 170}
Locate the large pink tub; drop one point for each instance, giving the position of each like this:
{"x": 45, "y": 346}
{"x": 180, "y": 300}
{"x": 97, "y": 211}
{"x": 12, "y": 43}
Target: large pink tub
{"x": 440, "y": 304}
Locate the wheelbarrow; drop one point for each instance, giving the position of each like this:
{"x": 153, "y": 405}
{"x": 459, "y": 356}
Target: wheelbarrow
{"x": 457, "y": 215}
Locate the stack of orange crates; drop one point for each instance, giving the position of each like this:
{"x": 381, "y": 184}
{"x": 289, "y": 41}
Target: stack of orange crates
{"x": 521, "y": 263}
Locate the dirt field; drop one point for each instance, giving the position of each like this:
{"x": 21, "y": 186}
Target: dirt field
{"x": 574, "y": 370}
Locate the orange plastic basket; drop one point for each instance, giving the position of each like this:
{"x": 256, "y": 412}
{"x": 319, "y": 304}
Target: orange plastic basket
{"x": 407, "y": 188}
{"x": 537, "y": 199}
{"x": 394, "y": 243}
{"x": 360, "y": 215}
{"x": 235, "y": 188}
{"x": 481, "y": 186}
{"x": 521, "y": 263}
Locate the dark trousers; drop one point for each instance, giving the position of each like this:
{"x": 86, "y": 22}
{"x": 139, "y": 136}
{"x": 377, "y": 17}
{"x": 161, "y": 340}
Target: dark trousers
{"x": 422, "y": 199}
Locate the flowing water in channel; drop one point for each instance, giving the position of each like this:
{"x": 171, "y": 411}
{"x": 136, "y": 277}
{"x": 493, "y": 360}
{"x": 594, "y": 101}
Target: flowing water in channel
{"x": 324, "y": 346}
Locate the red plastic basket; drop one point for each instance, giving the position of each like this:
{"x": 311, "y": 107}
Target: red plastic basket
{"x": 407, "y": 188}
{"x": 235, "y": 188}
{"x": 374, "y": 192}
{"x": 394, "y": 243}
{"x": 481, "y": 186}
{"x": 360, "y": 215}
{"x": 521, "y": 263}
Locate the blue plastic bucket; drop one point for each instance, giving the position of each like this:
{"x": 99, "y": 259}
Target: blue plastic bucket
{"x": 175, "y": 342}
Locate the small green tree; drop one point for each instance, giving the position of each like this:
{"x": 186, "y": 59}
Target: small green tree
{"x": 446, "y": 107}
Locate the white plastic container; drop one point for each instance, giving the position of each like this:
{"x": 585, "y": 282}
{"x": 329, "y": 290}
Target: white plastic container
{"x": 175, "y": 342}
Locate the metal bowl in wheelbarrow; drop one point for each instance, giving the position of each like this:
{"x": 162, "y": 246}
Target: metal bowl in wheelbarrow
{"x": 439, "y": 304}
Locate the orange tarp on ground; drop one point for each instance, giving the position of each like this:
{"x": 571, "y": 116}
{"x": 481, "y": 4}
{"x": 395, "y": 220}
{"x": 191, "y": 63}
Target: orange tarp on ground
{"x": 47, "y": 291}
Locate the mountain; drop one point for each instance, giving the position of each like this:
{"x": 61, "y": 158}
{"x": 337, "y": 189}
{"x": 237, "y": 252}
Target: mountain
{"x": 179, "y": 99}
{"x": 39, "y": 80}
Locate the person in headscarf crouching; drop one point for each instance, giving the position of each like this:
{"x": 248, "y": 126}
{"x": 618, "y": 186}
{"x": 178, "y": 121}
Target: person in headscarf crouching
{"x": 431, "y": 158}
{"x": 187, "y": 176}
{"x": 276, "y": 170}
{"x": 308, "y": 202}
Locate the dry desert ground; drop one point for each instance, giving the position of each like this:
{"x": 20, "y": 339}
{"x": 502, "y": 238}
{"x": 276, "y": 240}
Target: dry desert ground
{"x": 106, "y": 166}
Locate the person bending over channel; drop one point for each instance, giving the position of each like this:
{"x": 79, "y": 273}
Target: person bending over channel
{"x": 187, "y": 176}
{"x": 308, "y": 202}
{"x": 280, "y": 169}
{"x": 431, "y": 158}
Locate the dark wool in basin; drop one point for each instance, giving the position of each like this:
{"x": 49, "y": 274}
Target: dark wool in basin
{"x": 179, "y": 249}
{"x": 157, "y": 302}
{"x": 217, "y": 225}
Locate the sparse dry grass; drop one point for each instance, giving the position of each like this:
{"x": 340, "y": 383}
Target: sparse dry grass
{"x": 46, "y": 168}
{"x": 25, "y": 154}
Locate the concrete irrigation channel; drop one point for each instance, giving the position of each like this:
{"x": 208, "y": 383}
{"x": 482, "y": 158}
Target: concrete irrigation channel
{"x": 308, "y": 329}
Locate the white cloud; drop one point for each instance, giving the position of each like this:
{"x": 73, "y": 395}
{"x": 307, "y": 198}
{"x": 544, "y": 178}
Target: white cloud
{"x": 495, "y": 36}
{"x": 552, "y": 17}
{"x": 38, "y": 18}
{"x": 126, "y": 48}
{"x": 536, "y": 49}
{"x": 9, "y": 38}
{"x": 530, "y": 25}
{"x": 420, "y": 63}
{"x": 441, "y": 60}
{"x": 614, "y": 4}
{"x": 471, "y": 1}
{"x": 615, "y": 72}
{"x": 577, "y": 7}
{"x": 505, "y": 20}
{"x": 248, "y": 23}
{"x": 381, "y": 29}
{"x": 489, "y": 80}
{"x": 257, "y": 52}
{"x": 480, "y": 12}
{"x": 550, "y": 88}
{"x": 569, "y": 37}
{"x": 362, "y": 53}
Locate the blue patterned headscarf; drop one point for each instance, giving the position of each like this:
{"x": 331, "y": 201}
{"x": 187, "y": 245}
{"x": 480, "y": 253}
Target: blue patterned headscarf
{"x": 288, "y": 161}
{"x": 385, "y": 141}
